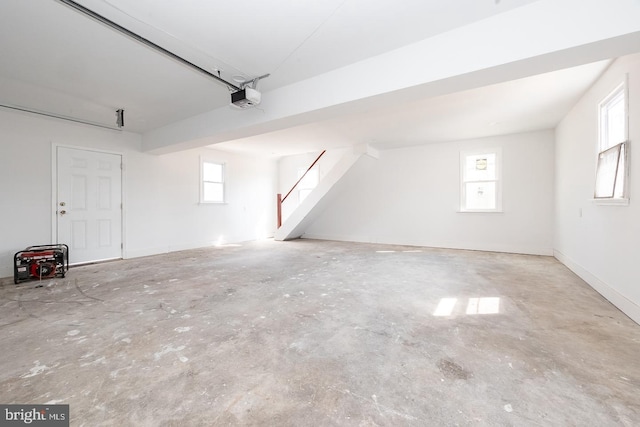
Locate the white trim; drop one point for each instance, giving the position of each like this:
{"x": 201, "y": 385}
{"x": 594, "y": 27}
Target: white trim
{"x": 54, "y": 191}
{"x": 611, "y": 202}
{"x": 500, "y": 248}
{"x": 7, "y": 271}
{"x": 157, "y": 250}
{"x": 623, "y": 303}
{"x": 624, "y": 89}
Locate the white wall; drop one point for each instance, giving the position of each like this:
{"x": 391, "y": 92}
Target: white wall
{"x": 412, "y": 196}
{"x": 168, "y": 216}
{"x": 599, "y": 243}
{"x": 288, "y": 167}
{"x": 161, "y": 193}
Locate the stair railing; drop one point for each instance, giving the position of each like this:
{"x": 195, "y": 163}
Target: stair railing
{"x": 281, "y": 199}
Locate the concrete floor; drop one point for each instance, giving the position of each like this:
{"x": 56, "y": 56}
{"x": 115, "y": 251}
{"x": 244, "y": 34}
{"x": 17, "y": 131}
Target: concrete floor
{"x": 315, "y": 333}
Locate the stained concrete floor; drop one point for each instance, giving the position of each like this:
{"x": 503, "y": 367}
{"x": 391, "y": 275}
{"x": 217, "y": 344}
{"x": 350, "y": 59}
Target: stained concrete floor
{"x": 315, "y": 333}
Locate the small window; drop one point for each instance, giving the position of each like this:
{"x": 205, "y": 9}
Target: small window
{"x": 212, "y": 182}
{"x": 308, "y": 183}
{"x": 611, "y": 166}
{"x": 481, "y": 190}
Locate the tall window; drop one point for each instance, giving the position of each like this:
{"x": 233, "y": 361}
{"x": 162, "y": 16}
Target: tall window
{"x": 308, "y": 183}
{"x": 611, "y": 170}
{"x": 212, "y": 182}
{"x": 481, "y": 189}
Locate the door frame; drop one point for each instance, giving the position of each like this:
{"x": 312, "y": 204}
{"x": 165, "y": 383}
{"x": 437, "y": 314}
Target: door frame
{"x": 54, "y": 190}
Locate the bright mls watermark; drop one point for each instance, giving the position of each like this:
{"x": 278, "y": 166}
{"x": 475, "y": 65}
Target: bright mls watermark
{"x": 34, "y": 415}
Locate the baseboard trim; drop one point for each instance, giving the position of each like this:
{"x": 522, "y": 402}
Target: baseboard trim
{"x": 623, "y": 303}
{"x": 497, "y": 248}
{"x": 158, "y": 250}
{"x": 6, "y": 272}
{"x": 143, "y": 252}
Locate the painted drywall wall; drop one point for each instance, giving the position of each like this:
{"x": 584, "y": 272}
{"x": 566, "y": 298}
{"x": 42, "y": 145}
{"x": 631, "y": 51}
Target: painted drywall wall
{"x": 412, "y": 196}
{"x": 600, "y": 243}
{"x": 162, "y": 212}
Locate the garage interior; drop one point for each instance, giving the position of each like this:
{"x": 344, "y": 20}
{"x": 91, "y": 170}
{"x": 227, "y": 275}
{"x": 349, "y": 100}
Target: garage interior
{"x": 390, "y": 294}
{"x": 314, "y": 332}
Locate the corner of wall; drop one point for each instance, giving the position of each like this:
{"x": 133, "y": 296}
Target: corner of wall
{"x": 628, "y": 307}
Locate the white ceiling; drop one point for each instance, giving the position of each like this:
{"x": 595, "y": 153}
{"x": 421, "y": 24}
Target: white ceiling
{"x": 55, "y": 59}
{"x": 517, "y": 106}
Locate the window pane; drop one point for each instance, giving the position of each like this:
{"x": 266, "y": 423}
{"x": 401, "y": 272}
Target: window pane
{"x": 606, "y": 172}
{"x": 303, "y": 193}
{"x": 310, "y": 180}
{"x": 480, "y": 167}
{"x": 213, "y": 192}
{"x": 212, "y": 172}
{"x": 480, "y": 195}
{"x": 615, "y": 121}
{"x": 619, "y": 190}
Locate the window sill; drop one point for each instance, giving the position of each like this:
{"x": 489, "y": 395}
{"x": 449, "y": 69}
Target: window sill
{"x": 611, "y": 202}
{"x": 498, "y": 211}
{"x": 212, "y": 203}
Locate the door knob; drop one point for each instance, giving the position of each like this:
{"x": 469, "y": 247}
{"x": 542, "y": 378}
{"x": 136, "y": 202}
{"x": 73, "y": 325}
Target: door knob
{"x": 62, "y": 212}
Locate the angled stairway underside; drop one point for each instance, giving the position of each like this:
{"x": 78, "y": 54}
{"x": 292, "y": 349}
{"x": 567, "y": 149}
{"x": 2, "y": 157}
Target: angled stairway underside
{"x": 296, "y": 224}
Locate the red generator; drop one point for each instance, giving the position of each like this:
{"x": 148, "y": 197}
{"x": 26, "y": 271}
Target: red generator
{"x": 40, "y": 262}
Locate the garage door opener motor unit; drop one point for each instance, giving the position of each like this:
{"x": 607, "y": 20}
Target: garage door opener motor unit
{"x": 40, "y": 262}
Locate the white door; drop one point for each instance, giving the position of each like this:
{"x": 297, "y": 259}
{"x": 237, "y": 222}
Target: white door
{"x": 89, "y": 204}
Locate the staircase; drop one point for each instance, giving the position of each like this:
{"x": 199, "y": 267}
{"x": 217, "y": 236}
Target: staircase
{"x": 296, "y": 224}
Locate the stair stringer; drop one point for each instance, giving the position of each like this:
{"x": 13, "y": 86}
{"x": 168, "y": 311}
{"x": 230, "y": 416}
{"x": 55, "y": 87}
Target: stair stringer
{"x": 296, "y": 224}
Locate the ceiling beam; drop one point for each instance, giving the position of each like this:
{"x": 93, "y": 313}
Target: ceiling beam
{"x": 544, "y": 36}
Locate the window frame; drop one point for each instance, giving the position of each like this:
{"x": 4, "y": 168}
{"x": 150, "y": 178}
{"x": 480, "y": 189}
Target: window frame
{"x": 605, "y": 146}
{"x": 620, "y": 89}
{"x": 223, "y": 166}
{"x": 498, "y": 180}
